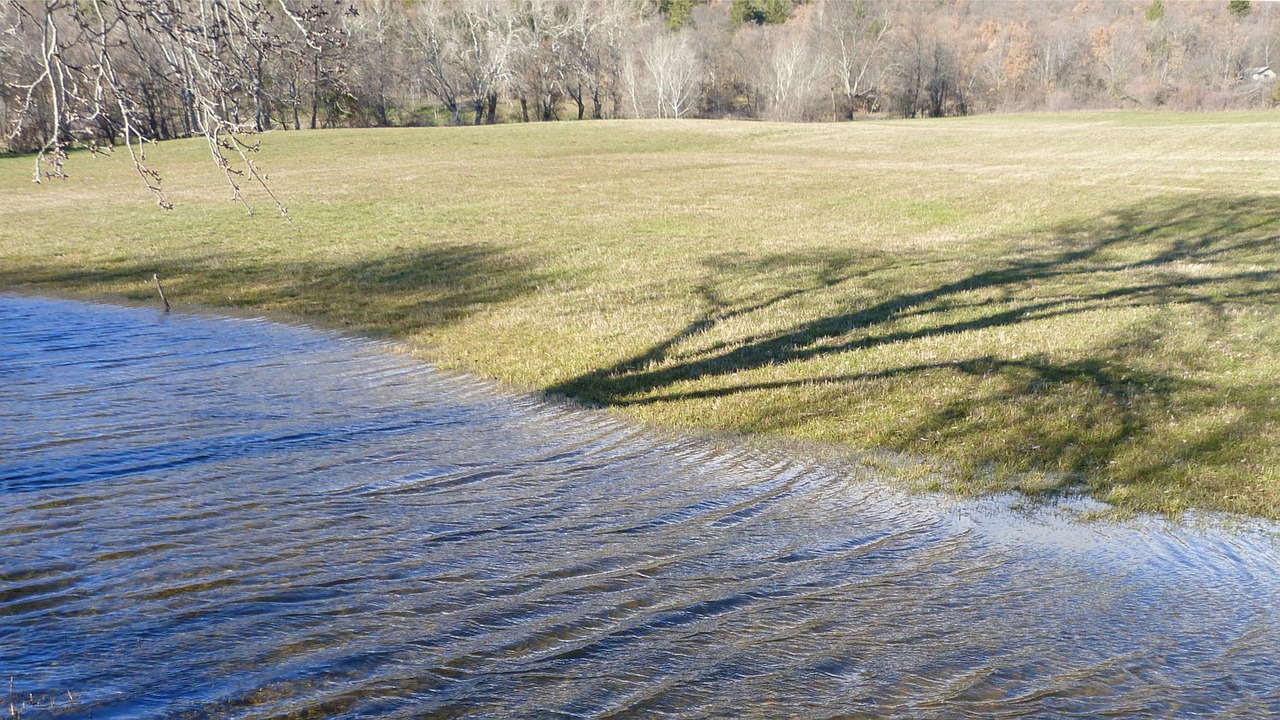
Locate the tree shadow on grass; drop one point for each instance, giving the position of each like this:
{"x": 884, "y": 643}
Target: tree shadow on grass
{"x": 1065, "y": 351}
{"x": 391, "y": 295}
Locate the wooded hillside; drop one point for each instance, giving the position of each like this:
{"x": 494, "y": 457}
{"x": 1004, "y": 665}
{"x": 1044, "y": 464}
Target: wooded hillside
{"x": 174, "y": 64}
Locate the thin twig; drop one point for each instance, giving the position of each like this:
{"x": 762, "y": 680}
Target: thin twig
{"x": 160, "y": 289}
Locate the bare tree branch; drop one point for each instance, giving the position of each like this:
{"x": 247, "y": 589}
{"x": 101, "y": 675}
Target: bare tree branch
{"x": 100, "y": 64}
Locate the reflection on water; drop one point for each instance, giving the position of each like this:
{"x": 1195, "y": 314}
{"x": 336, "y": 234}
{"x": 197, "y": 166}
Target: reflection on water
{"x": 231, "y": 518}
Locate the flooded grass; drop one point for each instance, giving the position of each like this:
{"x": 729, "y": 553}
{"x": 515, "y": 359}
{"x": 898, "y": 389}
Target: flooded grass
{"x": 220, "y": 517}
{"x": 1034, "y": 303}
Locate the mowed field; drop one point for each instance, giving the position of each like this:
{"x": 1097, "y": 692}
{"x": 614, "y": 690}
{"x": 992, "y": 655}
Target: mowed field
{"x": 1043, "y": 303}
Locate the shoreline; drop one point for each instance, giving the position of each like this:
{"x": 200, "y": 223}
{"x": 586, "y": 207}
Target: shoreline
{"x": 1051, "y": 304}
{"x": 859, "y": 466}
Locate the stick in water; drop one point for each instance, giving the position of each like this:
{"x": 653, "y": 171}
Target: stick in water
{"x": 156, "y": 277}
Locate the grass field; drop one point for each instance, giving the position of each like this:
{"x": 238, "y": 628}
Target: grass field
{"x": 1032, "y": 302}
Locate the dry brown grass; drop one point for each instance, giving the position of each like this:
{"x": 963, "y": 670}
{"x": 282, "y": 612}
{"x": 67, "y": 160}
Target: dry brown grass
{"x": 1031, "y": 302}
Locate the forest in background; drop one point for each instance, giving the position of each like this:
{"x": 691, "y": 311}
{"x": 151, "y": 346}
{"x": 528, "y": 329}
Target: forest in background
{"x": 104, "y": 71}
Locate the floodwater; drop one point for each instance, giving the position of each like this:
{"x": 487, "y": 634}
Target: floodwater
{"x": 212, "y": 517}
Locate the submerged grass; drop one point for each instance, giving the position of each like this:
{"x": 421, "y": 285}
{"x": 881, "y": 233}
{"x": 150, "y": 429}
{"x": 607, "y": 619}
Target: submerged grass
{"x": 1027, "y": 302}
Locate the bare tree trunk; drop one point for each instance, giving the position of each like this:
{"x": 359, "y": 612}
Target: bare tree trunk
{"x": 296, "y": 101}
{"x": 315, "y": 90}
{"x": 188, "y": 99}
{"x": 259, "y": 105}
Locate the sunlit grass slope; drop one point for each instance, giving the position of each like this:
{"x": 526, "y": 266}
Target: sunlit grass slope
{"x": 1023, "y": 302}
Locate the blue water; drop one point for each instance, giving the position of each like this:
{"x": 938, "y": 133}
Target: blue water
{"x": 214, "y": 517}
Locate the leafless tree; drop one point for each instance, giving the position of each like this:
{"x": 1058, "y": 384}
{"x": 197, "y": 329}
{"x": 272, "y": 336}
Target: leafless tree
{"x": 595, "y": 31}
{"x": 854, "y": 37}
{"x": 102, "y": 69}
{"x": 926, "y": 72}
{"x": 784, "y": 69}
{"x": 542, "y": 57}
{"x": 664, "y": 74}
{"x": 487, "y": 39}
{"x": 101, "y": 73}
{"x": 379, "y": 64}
{"x": 436, "y": 44}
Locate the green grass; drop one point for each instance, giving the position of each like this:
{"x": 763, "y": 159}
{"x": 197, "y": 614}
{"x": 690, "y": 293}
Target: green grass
{"x": 1021, "y": 302}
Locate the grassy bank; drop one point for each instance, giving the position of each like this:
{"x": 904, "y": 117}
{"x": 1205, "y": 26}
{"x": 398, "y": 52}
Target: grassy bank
{"x": 1028, "y": 302}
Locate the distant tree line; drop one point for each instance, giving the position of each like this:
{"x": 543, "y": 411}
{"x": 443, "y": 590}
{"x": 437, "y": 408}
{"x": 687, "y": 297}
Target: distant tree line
{"x": 126, "y": 71}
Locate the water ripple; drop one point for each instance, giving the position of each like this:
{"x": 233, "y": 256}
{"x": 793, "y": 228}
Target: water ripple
{"x": 218, "y": 517}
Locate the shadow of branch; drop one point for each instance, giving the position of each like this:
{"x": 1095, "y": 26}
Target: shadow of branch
{"x": 1175, "y": 271}
{"x": 394, "y": 294}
